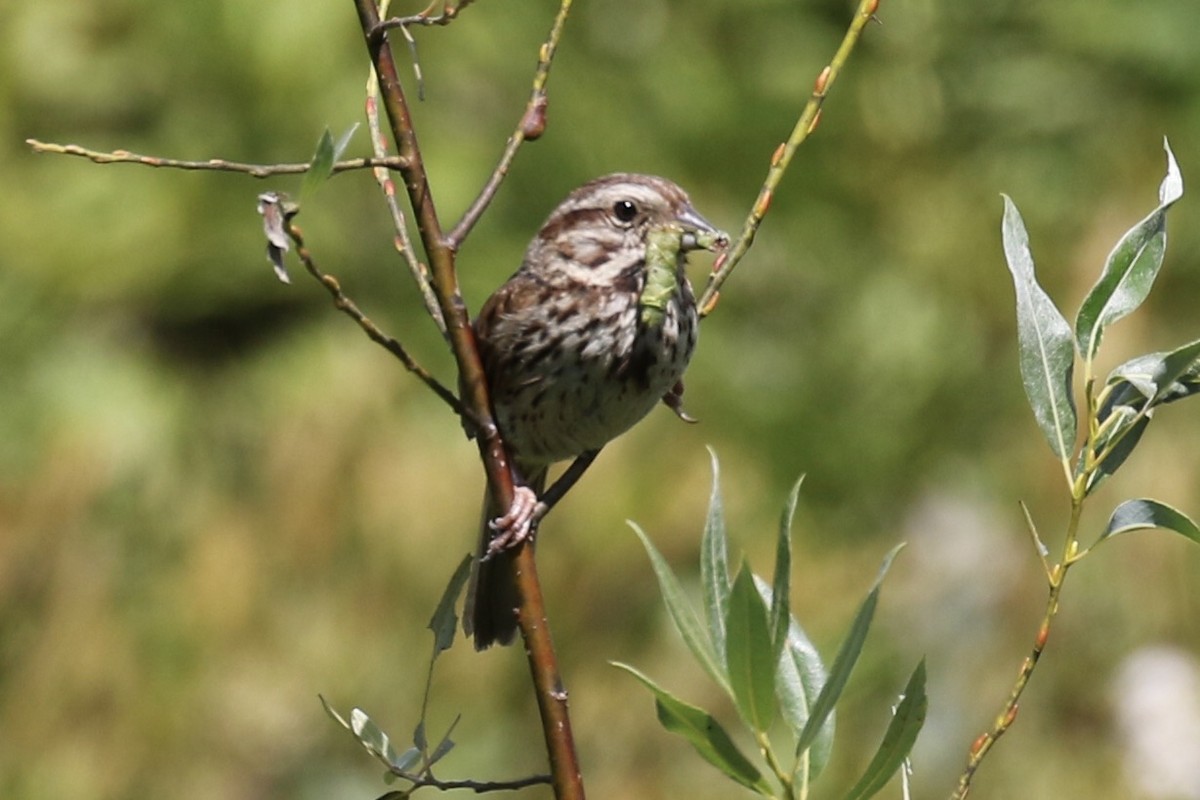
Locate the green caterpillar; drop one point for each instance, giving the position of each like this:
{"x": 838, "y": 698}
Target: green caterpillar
{"x": 663, "y": 246}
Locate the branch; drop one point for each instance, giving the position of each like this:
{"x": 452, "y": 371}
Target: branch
{"x": 479, "y": 787}
{"x": 348, "y": 307}
{"x": 984, "y": 743}
{"x": 805, "y": 125}
{"x": 556, "y": 726}
{"x": 426, "y": 18}
{"x": 448, "y": 15}
{"x": 531, "y": 125}
{"x": 213, "y": 164}
{"x": 402, "y": 241}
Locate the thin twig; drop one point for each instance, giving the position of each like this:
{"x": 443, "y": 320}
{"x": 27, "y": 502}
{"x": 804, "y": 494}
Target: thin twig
{"x": 348, "y": 307}
{"x": 479, "y": 787}
{"x": 215, "y": 164}
{"x": 805, "y": 125}
{"x": 1056, "y": 576}
{"x": 402, "y": 241}
{"x": 426, "y": 18}
{"x": 1008, "y": 713}
{"x": 448, "y": 15}
{"x": 531, "y": 126}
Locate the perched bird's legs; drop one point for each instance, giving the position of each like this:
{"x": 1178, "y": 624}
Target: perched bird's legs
{"x": 527, "y": 509}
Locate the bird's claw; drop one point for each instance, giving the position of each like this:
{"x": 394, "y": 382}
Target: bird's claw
{"x": 517, "y": 524}
{"x": 673, "y": 400}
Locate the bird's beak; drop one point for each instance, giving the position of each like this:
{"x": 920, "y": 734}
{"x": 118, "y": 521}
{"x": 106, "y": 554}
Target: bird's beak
{"x": 699, "y": 233}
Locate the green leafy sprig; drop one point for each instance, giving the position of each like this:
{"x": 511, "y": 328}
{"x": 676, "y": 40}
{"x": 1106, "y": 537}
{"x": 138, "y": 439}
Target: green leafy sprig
{"x": 1116, "y": 412}
{"x": 752, "y": 646}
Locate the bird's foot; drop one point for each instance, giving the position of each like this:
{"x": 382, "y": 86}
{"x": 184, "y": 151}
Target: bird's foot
{"x": 518, "y": 523}
{"x": 673, "y": 400}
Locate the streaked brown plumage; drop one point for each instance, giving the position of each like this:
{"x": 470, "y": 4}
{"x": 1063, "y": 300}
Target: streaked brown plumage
{"x": 570, "y": 362}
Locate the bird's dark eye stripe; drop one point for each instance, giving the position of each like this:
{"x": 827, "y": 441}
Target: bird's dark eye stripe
{"x": 577, "y": 217}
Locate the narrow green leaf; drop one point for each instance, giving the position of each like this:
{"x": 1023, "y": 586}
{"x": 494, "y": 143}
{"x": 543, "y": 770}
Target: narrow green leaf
{"x": 338, "y": 718}
{"x": 419, "y": 737}
{"x": 780, "y": 602}
{"x": 703, "y": 732}
{"x": 1130, "y": 430}
{"x": 802, "y": 658}
{"x": 1149, "y": 381}
{"x": 799, "y": 677}
{"x": 1178, "y": 365}
{"x": 898, "y": 740}
{"x": 1158, "y": 377}
{"x": 681, "y": 613}
{"x": 372, "y": 737}
{"x": 1142, "y": 513}
{"x": 750, "y": 656}
{"x": 376, "y": 742}
{"x": 714, "y": 564}
{"x": 406, "y": 760}
{"x": 846, "y": 658}
{"x": 446, "y": 744}
{"x": 1047, "y": 347}
{"x": 1131, "y": 268}
{"x": 321, "y": 166}
{"x": 444, "y": 622}
{"x": 339, "y": 148}
{"x": 798, "y": 681}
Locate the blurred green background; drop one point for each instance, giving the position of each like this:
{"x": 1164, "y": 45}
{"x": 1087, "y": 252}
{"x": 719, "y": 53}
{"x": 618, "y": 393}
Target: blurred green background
{"x": 218, "y": 499}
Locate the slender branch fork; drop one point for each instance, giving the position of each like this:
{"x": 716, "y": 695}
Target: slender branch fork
{"x": 350, "y": 309}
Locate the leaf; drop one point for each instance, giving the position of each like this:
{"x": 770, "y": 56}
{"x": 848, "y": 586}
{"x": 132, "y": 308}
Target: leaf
{"x": 446, "y": 744}
{"x": 704, "y": 732}
{"x": 780, "y": 603}
{"x": 798, "y": 682}
{"x": 1046, "y": 344}
{"x": 1160, "y": 377}
{"x": 419, "y": 738}
{"x": 444, "y": 622}
{"x": 1133, "y": 428}
{"x": 338, "y": 718}
{"x": 750, "y": 656}
{"x": 339, "y": 149}
{"x": 799, "y": 677}
{"x": 681, "y": 613}
{"x": 898, "y": 739}
{"x": 844, "y": 661}
{"x": 321, "y": 165}
{"x": 1143, "y": 513}
{"x": 714, "y": 564}
{"x": 276, "y": 209}
{"x": 1147, "y": 381}
{"x": 372, "y": 737}
{"x": 1131, "y": 268}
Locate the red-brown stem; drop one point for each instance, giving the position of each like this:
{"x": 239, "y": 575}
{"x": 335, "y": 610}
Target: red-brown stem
{"x": 552, "y": 700}
{"x": 1008, "y": 714}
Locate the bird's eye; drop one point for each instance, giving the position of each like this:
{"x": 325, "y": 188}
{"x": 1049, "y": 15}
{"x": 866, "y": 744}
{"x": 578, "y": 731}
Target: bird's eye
{"x": 624, "y": 210}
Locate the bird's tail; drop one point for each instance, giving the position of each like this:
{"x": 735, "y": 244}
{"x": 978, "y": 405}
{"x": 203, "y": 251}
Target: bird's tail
{"x": 490, "y": 615}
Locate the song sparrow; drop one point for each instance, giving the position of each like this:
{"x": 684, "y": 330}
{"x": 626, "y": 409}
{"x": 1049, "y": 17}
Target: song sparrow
{"x": 577, "y": 347}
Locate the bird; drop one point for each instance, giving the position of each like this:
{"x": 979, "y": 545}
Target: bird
{"x": 594, "y": 329}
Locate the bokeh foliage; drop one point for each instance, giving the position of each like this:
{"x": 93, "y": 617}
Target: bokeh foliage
{"x": 218, "y": 499}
